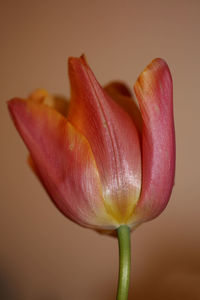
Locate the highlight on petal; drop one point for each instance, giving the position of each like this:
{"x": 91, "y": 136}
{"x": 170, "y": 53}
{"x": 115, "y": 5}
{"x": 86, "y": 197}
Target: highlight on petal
{"x": 154, "y": 93}
{"x": 113, "y": 138}
{"x": 64, "y": 162}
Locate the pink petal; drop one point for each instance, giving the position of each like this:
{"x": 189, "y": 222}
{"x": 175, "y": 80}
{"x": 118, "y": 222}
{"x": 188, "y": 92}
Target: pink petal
{"x": 112, "y": 136}
{"x": 63, "y": 161}
{"x": 154, "y": 93}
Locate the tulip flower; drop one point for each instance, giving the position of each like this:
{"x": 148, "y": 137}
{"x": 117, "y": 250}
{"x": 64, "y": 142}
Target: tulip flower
{"x": 106, "y": 163}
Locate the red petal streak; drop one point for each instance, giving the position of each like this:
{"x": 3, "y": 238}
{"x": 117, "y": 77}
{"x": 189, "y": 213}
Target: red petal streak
{"x": 113, "y": 139}
{"x": 154, "y": 93}
{"x": 63, "y": 161}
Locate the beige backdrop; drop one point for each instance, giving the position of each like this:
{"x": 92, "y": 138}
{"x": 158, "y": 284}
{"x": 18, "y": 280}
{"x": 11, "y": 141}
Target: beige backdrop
{"x": 44, "y": 256}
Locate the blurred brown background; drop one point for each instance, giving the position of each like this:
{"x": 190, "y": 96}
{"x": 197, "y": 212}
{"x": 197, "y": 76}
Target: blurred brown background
{"x": 44, "y": 256}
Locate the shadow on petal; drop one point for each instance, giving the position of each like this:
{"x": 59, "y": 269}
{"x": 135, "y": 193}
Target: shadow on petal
{"x": 121, "y": 94}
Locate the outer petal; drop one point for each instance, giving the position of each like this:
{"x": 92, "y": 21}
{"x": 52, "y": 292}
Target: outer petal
{"x": 154, "y": 92}
{"x": 113, "y": 138}
{"x": 63, "y": 161}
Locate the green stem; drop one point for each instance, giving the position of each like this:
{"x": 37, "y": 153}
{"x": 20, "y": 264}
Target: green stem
{"x": 123, "y": 233}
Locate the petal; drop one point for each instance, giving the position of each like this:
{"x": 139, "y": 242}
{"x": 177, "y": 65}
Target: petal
{"x": 63, "y": 161}
{"x": 112, "y": 136}
{"x": 119, "y": 92}
{"x": 41, "y": 96}
{"x": 154, "y": 93}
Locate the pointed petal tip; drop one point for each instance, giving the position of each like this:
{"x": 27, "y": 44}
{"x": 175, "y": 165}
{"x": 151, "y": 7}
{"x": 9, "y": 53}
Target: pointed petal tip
{"x": 77, "y": 61}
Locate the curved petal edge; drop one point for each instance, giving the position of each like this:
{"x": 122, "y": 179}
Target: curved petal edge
{"x": 154, "y": 92}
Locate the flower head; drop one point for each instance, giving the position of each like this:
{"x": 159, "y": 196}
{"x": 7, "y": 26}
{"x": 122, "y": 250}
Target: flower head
{"x": 103, "y": 161}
